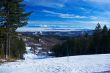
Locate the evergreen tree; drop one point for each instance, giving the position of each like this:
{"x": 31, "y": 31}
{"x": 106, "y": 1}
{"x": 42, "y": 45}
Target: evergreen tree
{"x": 104, "y": 41}
{"x": 12, "y": 16}
{"x": 98, "y": 43}
{"x": 96, "y": 39}
{"x": 109, "y": 41}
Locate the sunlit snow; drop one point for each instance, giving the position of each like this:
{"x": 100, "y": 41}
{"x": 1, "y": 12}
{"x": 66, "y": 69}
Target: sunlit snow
{"x": 73, "y": 64}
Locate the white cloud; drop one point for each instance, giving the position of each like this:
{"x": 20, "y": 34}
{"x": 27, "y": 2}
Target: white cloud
{"x": 94, "y": 17}
{"x": 106, "y": 13}
{"x": 48, "y": 22}
{"x": 47, "y": 3}
{"x": 93, "y": 22}
{"x": 99, "y": 1}
{"x": 51, "y": 12}
{"x": 46, "y": 25}
{"x": 64, "y": 15}
{"x": 69, "y": 16}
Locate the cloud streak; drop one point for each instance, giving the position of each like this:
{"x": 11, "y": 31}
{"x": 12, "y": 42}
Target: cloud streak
{"x": 47, "y": 3}
{"x": 64, "y": 15}
{"x": 99, "y": 1}
{"x": 70, "y": 16}
{"x": 60, "y": 26}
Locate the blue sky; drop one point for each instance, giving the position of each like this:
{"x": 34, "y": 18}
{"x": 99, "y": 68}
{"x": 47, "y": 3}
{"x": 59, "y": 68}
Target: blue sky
{"x": 68, "y": 13}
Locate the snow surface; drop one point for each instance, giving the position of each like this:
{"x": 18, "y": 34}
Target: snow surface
{"x": 73, "y": 64}
{"x": 29, "y": 55}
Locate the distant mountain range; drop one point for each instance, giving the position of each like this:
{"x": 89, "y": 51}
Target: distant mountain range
{"x": 50, "y": 28}
{"x": 71, "y": 32}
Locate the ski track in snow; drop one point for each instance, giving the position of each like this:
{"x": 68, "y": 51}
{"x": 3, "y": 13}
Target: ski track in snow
{"x": 72, "y": 64}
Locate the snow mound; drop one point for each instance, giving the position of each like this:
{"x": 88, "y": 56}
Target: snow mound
{"x": 29, "y": 55}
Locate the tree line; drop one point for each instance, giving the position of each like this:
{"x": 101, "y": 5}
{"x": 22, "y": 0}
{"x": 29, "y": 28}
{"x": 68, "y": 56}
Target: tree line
{"x": 97, "y": 43}
{"x": 12, "y": 16}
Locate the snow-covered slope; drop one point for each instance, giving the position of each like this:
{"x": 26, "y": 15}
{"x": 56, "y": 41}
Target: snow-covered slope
{"x": 73, "y": 64}
{"x": 29, "y": 55}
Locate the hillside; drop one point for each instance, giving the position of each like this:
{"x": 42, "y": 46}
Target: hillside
{"x": 73, "y": 64}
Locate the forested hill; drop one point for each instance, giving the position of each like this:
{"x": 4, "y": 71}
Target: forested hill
{"x": 98, "y": 43}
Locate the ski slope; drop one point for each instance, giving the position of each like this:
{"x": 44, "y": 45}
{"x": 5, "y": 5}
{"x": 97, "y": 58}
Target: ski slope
{"x": 73, "y": 64}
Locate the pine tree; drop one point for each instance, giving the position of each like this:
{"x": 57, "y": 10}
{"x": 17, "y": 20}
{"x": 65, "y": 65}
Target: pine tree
{"x": 96, "y": 39}
{"x": 12, "y": 16}
{"x": 109, "y": 41}
{"x": 104, "y": 41}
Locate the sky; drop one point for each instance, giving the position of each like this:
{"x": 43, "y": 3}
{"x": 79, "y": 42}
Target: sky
{"x": 84, "y": 14}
